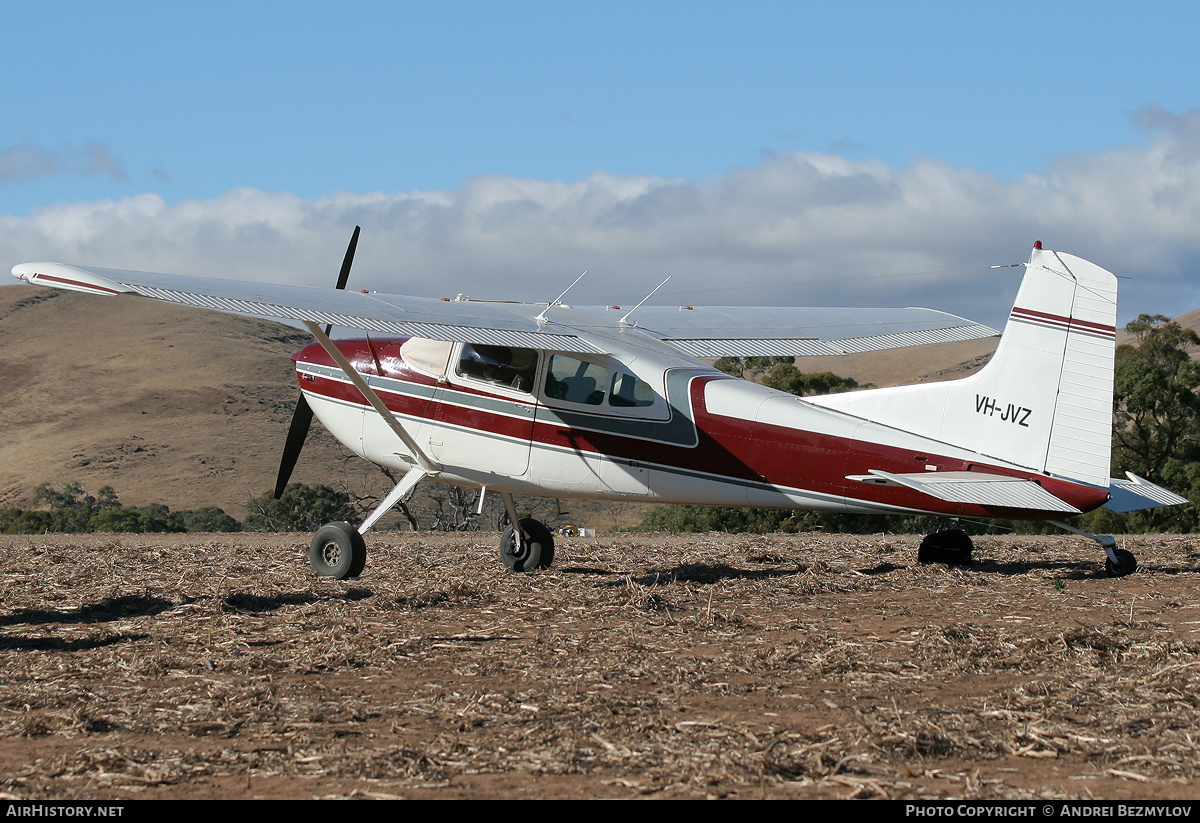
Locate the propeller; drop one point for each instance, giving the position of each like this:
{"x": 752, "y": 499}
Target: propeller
{"x": 302, "y": 417}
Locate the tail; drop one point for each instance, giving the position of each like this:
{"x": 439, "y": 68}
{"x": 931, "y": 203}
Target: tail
{"x": 1044, "y": 401}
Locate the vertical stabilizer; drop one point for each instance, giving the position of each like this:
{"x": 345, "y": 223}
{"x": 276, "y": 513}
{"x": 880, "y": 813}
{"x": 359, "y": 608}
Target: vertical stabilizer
{"x": 1044, "y": 401}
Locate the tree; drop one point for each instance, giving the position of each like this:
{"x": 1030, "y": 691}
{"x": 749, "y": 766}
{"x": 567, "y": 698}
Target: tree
{"x": 74, "y": 511}
{"x": 366, "y": 492}
{"x": 1156, "y": 418}
{"x": 69, "y": 496}
{"x": 126, "y": 520}
{"x": 1156, "y": 409}
{"x": 301, "y": 508}
{"x": 204, "y": 519}
{"x": 747, "y": 367}
{"x": 686, "y": 518}
{"x": 454, "y": 509}
{"x": 786, "y": 377}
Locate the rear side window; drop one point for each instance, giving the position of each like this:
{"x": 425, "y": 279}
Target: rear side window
{"x": 576, "y": 381}
{"x": 628, "y": 391}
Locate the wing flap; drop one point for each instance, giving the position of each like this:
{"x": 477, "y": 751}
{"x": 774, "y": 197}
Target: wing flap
{"x": 974, "y": 488}
{"x": 770, "y": 331}
{"x": 811, "y": 347}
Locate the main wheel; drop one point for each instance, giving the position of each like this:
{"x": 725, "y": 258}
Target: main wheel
{"x": 1126, "y": 564}
{"x": 952, "y": 546}
{"x": 337, "y": 550}
{"x": 533, "y": 550}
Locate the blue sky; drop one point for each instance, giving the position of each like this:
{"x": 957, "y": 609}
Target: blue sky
{"x": 503, "y": 147}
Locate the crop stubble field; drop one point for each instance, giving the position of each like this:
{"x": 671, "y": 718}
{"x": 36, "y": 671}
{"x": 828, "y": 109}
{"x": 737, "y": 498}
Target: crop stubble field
{"x": 735, "y": 666}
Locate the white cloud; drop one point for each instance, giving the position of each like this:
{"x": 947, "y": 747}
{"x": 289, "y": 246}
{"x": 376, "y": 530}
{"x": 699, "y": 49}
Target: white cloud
{"x": 797, "y": 218}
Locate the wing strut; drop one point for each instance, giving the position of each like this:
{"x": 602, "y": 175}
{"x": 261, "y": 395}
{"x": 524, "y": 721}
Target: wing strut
{"x": 427, "y": 465}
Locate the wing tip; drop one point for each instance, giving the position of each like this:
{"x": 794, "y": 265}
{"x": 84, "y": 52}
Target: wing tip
{"x": 71, "y": 278}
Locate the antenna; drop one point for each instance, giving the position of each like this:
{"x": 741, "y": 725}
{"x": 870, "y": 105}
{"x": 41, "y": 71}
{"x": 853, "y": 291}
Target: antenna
{"x": 541, "y": 318}
{"x": 625, "y": 320}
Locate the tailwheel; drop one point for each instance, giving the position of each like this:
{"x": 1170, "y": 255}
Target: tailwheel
{"x": 1124, "y": 564}
{"x": 532, "y": 549}
{"x": 951, "y": 546}
{"x": 337, "y": 550}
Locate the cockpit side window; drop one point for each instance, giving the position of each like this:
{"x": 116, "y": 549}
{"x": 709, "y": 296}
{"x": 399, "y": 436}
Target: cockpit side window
{"x": 576, "y": 381}
{"x": 500, "y": 365}
{"x": 429, "y": 356}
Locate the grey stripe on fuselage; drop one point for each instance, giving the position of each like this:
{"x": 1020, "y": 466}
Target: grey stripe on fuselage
{"x": 677, "y": 430}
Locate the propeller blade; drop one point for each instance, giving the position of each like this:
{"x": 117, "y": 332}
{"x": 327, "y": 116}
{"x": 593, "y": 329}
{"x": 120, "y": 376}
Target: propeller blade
{"x": 297, "y": 432}
{"x": 302, "y": 417}
{"x": 347, "y": 262}
{"x": 344, "y": 274}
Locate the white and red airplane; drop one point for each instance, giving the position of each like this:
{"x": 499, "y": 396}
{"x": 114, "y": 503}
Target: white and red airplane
{"x": 567, "y": 401}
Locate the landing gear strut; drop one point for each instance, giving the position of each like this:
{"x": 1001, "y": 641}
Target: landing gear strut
{"x": 338, "y": 549}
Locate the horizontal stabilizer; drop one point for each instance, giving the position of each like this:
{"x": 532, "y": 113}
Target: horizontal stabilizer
{"x": 975, "y": 488}
{"x": 1135, "y": 494}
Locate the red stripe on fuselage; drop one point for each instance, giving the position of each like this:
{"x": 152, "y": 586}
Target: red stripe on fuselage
{"x": 727, "y": 447}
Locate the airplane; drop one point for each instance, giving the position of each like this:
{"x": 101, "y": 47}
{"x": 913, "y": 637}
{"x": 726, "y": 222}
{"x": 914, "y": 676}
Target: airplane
{"x": 600, "y": 402}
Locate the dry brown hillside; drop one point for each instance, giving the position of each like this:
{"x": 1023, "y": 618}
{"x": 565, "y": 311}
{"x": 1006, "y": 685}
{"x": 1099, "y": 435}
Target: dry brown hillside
{"x": 166, "y": 404}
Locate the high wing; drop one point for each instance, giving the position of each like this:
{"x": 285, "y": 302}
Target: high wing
{"x": 700, "y": 332}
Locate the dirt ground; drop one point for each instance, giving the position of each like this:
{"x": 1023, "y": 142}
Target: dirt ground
{"x": 641, "y": 666}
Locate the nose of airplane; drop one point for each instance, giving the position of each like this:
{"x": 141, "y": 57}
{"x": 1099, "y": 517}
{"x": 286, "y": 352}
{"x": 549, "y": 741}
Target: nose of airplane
{"x": 312, "y": 353}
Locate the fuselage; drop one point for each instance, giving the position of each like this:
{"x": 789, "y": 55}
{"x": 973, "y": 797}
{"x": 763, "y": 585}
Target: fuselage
{"x": 636, "y": 424}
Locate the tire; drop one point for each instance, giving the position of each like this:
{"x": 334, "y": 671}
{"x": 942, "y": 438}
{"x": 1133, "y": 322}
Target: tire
{"x": 337, "y": 550}
{"x": 951, "y": 546}
{"x": 1126, "y": 564}
{"x": 536, "y": 551}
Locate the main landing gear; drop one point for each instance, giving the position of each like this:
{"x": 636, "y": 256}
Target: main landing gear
{"x": 952, "y": 546}
{"x": 338, "y": 549}
{"x": 527, "y": 547}
{"x": 534, "y": 549}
